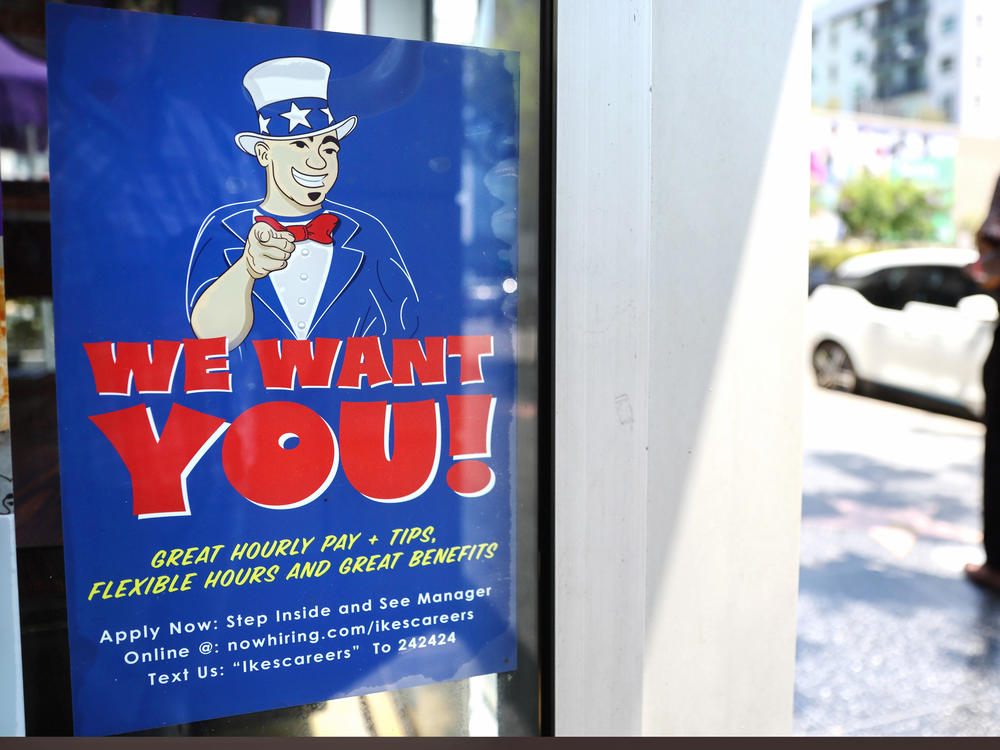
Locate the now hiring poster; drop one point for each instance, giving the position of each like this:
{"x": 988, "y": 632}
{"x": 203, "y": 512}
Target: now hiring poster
{"x": 285, "y": 302}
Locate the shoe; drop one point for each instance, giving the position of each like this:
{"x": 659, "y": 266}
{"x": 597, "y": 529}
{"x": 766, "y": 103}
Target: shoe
{"x": 983, "y": 575}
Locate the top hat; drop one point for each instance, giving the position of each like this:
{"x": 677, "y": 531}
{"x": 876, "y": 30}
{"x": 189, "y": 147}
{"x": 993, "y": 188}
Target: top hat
{"x": 290, "y": 96}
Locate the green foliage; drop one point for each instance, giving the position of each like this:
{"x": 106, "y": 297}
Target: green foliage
{"x": 881, "y": 209}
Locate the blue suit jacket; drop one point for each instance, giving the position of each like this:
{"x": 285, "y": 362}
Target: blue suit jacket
{"x": 368, "y": 292}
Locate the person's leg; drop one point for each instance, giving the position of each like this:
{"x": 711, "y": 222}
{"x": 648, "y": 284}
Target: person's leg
{"x": 991, "y": 478}
{"x": 989, "y": 574}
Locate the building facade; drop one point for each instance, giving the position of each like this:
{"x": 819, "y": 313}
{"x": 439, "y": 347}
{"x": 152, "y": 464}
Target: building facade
{"x": 922, "y": 59}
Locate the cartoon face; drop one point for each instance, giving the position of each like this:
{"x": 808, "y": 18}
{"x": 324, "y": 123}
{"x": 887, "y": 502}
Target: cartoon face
{"x": 302, "y": 171}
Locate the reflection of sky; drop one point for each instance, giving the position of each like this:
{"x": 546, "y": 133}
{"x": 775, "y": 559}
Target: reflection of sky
{"x": 487, "y": 197}
{"x": 455, "y": 21}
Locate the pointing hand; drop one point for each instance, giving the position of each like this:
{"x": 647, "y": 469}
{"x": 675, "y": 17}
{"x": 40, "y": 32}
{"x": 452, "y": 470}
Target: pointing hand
{"x": 267, "y": 250}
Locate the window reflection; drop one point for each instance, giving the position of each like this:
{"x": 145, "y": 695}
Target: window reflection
{"x": 482, "y": 706}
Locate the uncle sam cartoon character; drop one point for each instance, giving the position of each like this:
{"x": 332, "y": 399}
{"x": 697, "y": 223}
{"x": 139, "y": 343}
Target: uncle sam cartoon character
{"x": 294, "y": 264}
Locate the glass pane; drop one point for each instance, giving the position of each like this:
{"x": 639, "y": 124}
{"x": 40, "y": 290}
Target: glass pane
{"x": 504, "y": 703}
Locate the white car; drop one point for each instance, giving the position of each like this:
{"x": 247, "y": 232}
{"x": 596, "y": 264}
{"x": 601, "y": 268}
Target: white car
{"x": 910, "y": 319}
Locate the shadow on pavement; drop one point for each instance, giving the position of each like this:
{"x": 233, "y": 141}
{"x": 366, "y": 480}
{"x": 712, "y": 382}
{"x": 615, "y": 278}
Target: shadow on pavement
{"x": 893, "y": 640}
{"x": 875, "y": 484}
{"x": 899, "y": 590}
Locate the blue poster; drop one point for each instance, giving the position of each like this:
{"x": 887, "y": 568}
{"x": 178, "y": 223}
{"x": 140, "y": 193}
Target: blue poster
{"x": 285, "y": 301}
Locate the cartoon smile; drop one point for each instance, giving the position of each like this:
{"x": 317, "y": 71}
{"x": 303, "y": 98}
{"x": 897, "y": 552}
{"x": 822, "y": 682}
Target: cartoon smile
{"x": 308, "y": 180}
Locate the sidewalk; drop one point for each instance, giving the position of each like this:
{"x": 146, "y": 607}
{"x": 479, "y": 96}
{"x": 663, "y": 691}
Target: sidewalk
{"x": 892, "y": 640}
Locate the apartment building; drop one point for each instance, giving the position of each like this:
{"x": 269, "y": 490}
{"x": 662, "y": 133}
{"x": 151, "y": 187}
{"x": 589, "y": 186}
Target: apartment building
{"x": 922, "y": 59}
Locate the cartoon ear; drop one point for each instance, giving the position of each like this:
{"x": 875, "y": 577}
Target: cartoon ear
{"x": 263, "y": 153}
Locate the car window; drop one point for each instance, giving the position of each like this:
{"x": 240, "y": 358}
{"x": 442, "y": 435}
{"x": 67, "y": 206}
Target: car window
{"x": 941, "y": 285}
{"x": 885, "y": 288}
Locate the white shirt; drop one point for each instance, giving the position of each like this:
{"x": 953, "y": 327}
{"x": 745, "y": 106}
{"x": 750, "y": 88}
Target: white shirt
{"x": 300, "y": 284}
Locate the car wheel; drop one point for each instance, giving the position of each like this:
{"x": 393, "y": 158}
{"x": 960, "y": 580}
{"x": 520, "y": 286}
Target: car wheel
{"x": 833, "y": 368}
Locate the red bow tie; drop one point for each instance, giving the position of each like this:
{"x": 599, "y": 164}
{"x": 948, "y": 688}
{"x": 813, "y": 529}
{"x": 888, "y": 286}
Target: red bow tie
{"x": 319, "y": 229}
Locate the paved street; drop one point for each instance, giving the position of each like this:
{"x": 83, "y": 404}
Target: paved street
{"x": 892, "y": 640}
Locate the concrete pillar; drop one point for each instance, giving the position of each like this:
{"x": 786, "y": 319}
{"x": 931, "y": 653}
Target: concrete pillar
{"x": 681, "y": 210}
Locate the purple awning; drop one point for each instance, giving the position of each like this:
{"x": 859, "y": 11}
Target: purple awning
{"x": 22, "y": 95}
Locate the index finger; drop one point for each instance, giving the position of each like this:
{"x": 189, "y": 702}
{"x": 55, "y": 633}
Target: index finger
{"x": 279, "y": 243}
{"x": 276, "y": 239}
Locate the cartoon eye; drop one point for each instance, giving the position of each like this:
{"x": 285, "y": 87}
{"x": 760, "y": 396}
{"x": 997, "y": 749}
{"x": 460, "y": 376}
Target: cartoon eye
{"x": 300, "y": 144}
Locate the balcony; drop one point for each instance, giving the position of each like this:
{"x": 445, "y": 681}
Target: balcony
{"x": 912, "y": 51}
{"x": 891, "y": 90}
{"x": 889, "y": 18}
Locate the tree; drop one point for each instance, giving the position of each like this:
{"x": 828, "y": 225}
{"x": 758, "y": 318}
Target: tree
{"x": 881, "y": 208}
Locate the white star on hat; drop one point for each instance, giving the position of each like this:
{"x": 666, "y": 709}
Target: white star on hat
{"x": 296, "y": 117}
{"x": 329, "y": 117}
{"x": 263, "y": 123}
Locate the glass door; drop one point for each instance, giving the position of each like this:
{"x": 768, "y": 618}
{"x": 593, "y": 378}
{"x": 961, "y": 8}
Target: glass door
{"x": 514, "y": 193}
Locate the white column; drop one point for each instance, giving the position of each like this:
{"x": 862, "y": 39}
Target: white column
{"x": 397, "y": 18}
{"x": 602, "y": 362}
{"x": 347, "y": 16}
{"x": 682, "y": 201}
